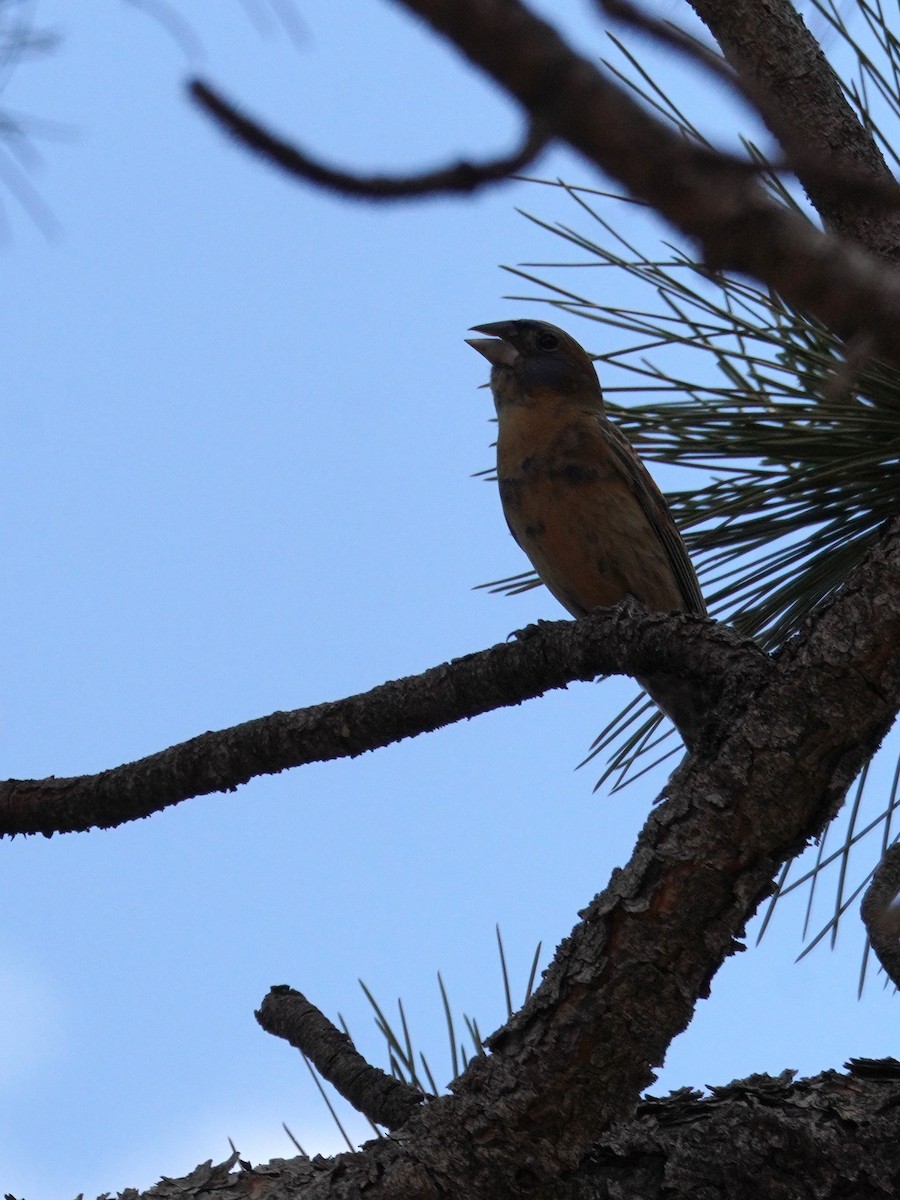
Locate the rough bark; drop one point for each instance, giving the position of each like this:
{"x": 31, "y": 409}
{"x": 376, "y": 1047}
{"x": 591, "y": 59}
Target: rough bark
{"x": 610, "y": 642}
{"x": 385, "y": 1100}
{"x": 834, "y": 1137}
{"x": 773, "y": 768}
{"x": 802, "y": 101}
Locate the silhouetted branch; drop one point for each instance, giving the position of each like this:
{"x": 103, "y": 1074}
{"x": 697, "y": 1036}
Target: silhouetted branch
{"x": 610, "y": 641}
{"x": 737, "y": 224}
{"x": 457, "y": 177}
{"x": 382, "y": 1098}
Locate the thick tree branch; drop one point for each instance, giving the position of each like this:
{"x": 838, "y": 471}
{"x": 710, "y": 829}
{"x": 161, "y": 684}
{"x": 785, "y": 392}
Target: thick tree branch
{"x": 801, "y": 100}
{"x": 625, "y": 983}
{"x": 462, "y": 177}
{"x": 831, "y": 1137}
{"x": 737, "y": 225}
{"x": 612, "y": 641}
{"x": 769, "y": 775}
{"x": 380, "y": 1097}
{"x": 708, "y": 196}
{"x": 843, "y": 181}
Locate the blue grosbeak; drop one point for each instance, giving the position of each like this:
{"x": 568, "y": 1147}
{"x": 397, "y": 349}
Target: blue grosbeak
{"x": 576, "y": 497}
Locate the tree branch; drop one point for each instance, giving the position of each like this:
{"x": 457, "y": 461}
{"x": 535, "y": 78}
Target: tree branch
{"x": 843, "y": 179}
{"x": 838, "y": 1133}
{"x": 769, "y": 773}
{"x": 737, "y": 224}
{"x": 609, "y": 642}
{"x": 385, "y": 1100}
{"x": 626, "y": 981}
{"x": 804, "y": 105}
{"x": 461, "y": 177}
{"x": 576, "y": 1058}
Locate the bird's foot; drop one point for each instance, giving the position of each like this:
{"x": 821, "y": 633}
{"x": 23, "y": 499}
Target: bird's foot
{"x": 530, "y": 631}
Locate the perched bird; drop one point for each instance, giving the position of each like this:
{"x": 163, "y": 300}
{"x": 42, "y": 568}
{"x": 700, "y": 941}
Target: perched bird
{"x": 576, "y": 497}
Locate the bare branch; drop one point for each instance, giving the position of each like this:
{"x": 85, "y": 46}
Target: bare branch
{"x": 385, "y": 1100}
{"x": 627, "y": 979}
{"x": 523, "y": 1118}
{"x": 710, "y": 197}
{"x": 466, "y": 177}
{"x": 737, "y": 225}
{"x": 610, "y": 641}
{"x": 458, "y": 177}
{"x": 881, "y": 913}
{"x": 703, "y": 862}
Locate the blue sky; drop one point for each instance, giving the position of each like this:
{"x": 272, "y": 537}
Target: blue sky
{"x": 240, "y": 425}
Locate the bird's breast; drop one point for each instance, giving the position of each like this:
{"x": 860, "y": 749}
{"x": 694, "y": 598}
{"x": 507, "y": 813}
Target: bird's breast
{"x": 573, "y": 508}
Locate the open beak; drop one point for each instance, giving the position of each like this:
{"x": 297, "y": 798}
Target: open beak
{"x": 495, "y": 349}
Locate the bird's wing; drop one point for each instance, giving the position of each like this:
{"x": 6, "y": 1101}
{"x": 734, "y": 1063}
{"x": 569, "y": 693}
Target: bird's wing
{"x": 654, "y": 505}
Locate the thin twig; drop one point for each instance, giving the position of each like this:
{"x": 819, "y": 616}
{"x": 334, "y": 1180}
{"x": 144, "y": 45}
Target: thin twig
{"x": 463, "y": 176}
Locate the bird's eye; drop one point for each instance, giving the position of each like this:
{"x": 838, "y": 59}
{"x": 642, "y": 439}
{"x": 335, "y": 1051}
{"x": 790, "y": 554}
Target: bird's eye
{"x": 547, "y": 341}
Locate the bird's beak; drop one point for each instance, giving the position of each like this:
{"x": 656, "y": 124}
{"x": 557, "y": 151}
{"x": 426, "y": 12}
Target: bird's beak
{"x": 495, "y": 348}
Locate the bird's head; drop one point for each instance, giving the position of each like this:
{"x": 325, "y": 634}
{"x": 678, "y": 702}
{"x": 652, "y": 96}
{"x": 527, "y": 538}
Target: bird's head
{"x": 532, "y": 360}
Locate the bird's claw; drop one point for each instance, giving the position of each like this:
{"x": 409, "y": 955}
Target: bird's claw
{"x": 530, "y": 631}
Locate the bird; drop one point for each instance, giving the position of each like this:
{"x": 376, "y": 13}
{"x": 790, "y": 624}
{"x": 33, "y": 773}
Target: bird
{"x": 576, "y": 496}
